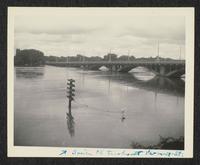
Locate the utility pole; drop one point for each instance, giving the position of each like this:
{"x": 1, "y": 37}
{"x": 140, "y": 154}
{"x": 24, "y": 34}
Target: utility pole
{"x": 158, "y": 49}
{"x": 180, "y": 53}
{"x": 70, "y": 91}
{"x": 83, "y": 60}
{"x": 128, "y": 54}
{"x": 158, "y": 52}
{"x": 110, "y": 56}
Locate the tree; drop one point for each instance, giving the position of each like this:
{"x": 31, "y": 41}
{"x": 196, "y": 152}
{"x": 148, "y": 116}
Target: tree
{"x": 29, "y": 57}
{"x": 123, "y": 58}
{"x": 110, "y": 56}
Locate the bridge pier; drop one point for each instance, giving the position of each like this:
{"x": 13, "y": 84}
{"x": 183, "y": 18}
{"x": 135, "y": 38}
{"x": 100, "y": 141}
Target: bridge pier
{"x": 162, "y": 70}
{"x": 114, "y": 68}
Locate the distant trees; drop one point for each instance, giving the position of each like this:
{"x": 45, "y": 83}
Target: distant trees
{"x": 78, "y": 57}
{"x": 126, "y": 58}
{"x": 50, "y": 58}
{"x": 110, "y": 56}
{"x": 95, "y": 58}
{"x": 32, "y": 57}
{"x": 29, "y": 57}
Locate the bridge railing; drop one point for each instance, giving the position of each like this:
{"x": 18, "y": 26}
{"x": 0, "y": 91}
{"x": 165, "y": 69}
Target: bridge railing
{"x": 122, "y": 62}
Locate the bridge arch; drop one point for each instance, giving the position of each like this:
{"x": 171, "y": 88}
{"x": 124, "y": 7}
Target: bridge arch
{"x": 158, "y": 69}
{"x": 129, "y": 68}
{"x": 176, "y": 73}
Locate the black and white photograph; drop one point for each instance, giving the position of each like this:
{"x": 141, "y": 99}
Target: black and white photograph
{"x": 107, "y": 78}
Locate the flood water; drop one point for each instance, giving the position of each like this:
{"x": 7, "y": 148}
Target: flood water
{"x": 111, "y": 110}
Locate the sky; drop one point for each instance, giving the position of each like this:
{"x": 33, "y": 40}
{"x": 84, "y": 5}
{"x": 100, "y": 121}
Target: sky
{"x": 96, "y": 33}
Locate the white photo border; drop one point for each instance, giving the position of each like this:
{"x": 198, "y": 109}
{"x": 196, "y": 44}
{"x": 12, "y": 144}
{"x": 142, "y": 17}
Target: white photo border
{"x": 24, "y": 151}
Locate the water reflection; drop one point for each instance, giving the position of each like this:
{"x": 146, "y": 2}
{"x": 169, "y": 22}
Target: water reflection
{"x": 70, "y": 124}
{"x": 162, "y": 85}
{"x": 143, "y": 76}
{"x": 172, "y": 86}
{"x": 111, "y": 109}
{"x": 30, "y": 72}
{"x": 123, "y": 116}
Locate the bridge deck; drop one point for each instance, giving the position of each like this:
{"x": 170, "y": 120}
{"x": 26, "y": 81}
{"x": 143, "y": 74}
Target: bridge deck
{"x": 122, "y": 62}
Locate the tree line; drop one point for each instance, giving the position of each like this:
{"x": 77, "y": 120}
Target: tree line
{"x": 79, "y": 57}
{"x": 29, "y": 57}
{"x": 32, "y": 57}
{"x": 108, "y": 57}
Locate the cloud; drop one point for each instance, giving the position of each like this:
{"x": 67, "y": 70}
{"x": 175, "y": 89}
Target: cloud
{"x": 56, "y": 31}
{"x": 95, "y": 35}
{"x": 164, "y": 35}
{"x": 153, "y": 29}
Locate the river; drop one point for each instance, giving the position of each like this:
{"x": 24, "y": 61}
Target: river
{"x": 111, "y": 110}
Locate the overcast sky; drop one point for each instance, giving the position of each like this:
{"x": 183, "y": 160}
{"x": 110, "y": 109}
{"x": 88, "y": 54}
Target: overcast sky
{"x": 96, "y": 33}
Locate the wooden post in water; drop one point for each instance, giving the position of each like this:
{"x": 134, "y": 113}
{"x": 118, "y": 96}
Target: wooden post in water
{"x": 70, "y": 91}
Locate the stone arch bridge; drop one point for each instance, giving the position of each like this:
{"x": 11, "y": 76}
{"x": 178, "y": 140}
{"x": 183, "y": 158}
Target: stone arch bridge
{"x": 167, "y": 68}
